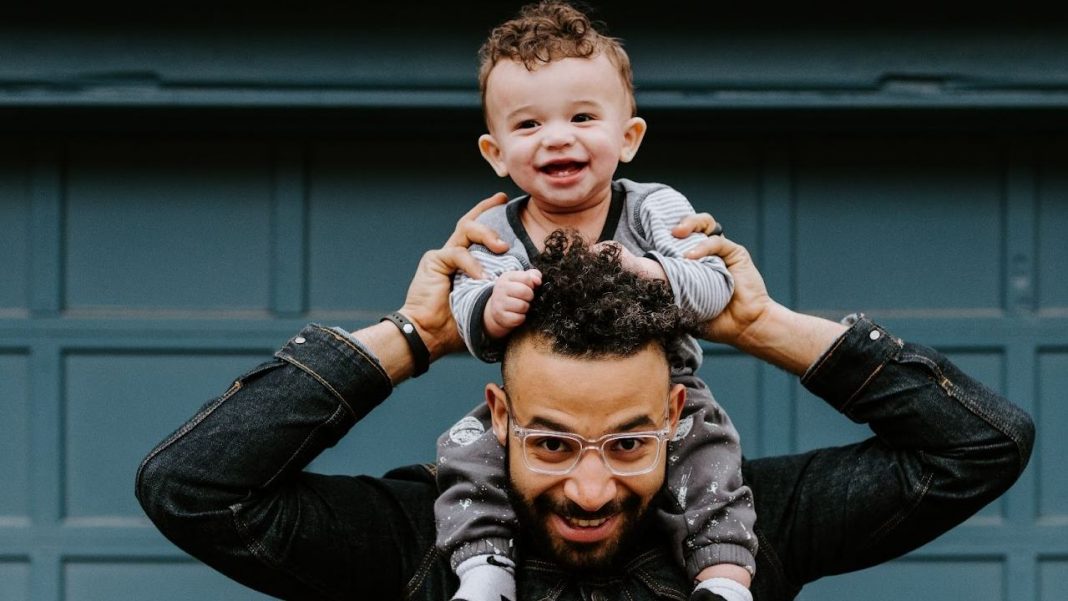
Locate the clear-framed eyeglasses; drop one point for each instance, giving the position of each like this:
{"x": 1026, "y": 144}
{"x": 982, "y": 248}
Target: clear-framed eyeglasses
{"x": 557, "y": 453}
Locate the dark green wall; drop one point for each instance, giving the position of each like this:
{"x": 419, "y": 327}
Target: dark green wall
{"x": 182, "y": 188}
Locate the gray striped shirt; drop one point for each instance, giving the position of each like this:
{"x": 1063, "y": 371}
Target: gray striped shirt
{"x": 640, "y": 219}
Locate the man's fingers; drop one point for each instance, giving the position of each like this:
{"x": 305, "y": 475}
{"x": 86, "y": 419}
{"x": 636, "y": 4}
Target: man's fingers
{"x": 468, "y": 231}
{"x": 473, "y": 232}
{"x": 701, "y": 223}
{"x": 485, "y": 205}
{"x": 714, "y": 245}
{"x": 456, "y": 258}
{"x": 730, "y": 251}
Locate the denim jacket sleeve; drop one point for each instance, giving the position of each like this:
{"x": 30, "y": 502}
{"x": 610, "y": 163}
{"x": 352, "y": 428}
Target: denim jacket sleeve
{"x": 229, "y": 488}
{"x": 914, "y": 398}
{"x": 943, "y": 446}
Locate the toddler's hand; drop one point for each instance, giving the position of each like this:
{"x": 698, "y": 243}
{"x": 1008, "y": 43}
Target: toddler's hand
{"x": 510, "y": 301}
{"x": 645, "y": 267}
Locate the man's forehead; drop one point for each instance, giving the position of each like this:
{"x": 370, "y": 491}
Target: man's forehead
{"x": 586, "y": 394}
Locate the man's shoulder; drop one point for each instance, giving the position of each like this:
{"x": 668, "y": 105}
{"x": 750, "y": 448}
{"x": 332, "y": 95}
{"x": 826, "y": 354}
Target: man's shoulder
{"x": 419, "y": 473}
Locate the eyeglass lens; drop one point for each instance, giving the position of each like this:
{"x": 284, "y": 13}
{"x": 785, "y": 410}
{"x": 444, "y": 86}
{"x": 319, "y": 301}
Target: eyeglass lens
{"x": 624, "y": 454}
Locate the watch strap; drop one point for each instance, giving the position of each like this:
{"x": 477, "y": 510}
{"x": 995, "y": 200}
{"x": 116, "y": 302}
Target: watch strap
{"x": 420, "y": 353}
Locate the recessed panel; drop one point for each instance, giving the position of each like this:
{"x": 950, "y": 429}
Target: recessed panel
{"x": 735, "y": 383}
{"x": 168, "y": 225}
{"x": 119, "y": 406}
{"x": 1051, "y": 420}
{"x": 375, "y": 207}
{"x": 1052, "y": 579}
{"x": 14, "y": 580}
{"x": 14, "y": 231}
{"x": 979, "y": 580}
{"x": 14, "y": 436}
{"x": 404, "y": 429}
{"x": 1052, "y": 224}
{"x": 159, "y": 581}
{"x": 899, "y": 224}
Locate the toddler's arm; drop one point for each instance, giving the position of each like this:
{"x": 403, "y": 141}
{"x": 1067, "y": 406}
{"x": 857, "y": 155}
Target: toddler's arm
{"x": 510, "y": 301}
{"x": 470, "y": 299}
{"x": 702, "y": 285}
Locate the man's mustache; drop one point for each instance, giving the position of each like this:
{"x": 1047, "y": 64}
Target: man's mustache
{"x": 571, "y": 510}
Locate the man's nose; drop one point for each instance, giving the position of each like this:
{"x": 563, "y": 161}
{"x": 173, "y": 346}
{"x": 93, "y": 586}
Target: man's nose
{"x": 590, "y": 484}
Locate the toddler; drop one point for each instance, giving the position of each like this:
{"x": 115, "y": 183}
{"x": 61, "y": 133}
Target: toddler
{"x": 559, "y": 106}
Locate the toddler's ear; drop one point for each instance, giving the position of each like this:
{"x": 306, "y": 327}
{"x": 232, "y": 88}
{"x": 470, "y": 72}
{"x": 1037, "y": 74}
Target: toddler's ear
{"x": 491, "y": 151}
{"x": 633, "y": 133}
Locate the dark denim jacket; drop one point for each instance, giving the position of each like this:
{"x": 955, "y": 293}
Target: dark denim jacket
{"x": 229, "y": 487}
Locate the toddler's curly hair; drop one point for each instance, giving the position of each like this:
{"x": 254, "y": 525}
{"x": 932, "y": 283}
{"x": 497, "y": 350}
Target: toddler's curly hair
{"x": 590, "y": 306}
{"x": 548, "y": 31}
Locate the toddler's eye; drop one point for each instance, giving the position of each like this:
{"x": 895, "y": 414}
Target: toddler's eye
{"x": 582, "y": 118}
{"x": 528, "y": 124}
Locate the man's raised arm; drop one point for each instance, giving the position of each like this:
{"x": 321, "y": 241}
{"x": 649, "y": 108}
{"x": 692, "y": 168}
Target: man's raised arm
{"x": 753, "y": 322}
{"x": 427, "y": 301}
{"x": 229, "y": 486}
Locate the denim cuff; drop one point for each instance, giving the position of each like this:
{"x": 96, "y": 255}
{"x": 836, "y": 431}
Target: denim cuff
{"x": 710, "y": 555}
{"x": 488, "y": 546}
{"x": 845, "y": 369}
{"x": 350, "y": 372}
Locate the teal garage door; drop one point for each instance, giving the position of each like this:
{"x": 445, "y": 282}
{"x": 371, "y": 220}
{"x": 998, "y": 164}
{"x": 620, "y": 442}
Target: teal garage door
{"x": 167, "y": 223}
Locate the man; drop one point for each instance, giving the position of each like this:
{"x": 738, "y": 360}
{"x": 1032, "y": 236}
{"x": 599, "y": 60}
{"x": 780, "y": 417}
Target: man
{"x": 228, "y": 487}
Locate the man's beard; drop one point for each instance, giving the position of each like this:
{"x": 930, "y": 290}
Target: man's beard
{"x": 534, "y": 515}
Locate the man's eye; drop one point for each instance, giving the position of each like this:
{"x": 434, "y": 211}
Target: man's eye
{"x": 553, "y": 444}
{"x": 528, "y": 124}
{"x": 582, "y": 118}
{"x": 627, "y": 445}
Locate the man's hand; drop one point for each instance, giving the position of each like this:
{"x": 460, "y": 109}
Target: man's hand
{"x": 697, "y": 223}
{"x": 427, "y": 303}
{"x": 508, "y": 305}
{"x": 750, "y": 301}
{"x": 752, "y": 321}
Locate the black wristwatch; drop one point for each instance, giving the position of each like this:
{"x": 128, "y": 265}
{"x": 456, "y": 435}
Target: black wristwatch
{"x": 420, "y": 353}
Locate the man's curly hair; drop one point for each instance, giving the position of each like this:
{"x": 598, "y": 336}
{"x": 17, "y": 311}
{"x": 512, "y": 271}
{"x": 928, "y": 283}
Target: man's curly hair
{"x": 589, "y": 306}
{"x": 549, "y": 31}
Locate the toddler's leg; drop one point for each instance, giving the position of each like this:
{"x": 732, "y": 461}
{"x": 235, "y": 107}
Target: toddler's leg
{"x": 711, "y": 518}
{"x": 475, "y": 520}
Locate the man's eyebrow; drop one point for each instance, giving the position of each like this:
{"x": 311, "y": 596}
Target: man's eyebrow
{"x": 634, "y": 423}
{"x": 545, "y": 423}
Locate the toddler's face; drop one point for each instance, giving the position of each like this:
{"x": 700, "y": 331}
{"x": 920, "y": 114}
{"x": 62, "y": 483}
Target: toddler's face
{"x": 560, "y": 131}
